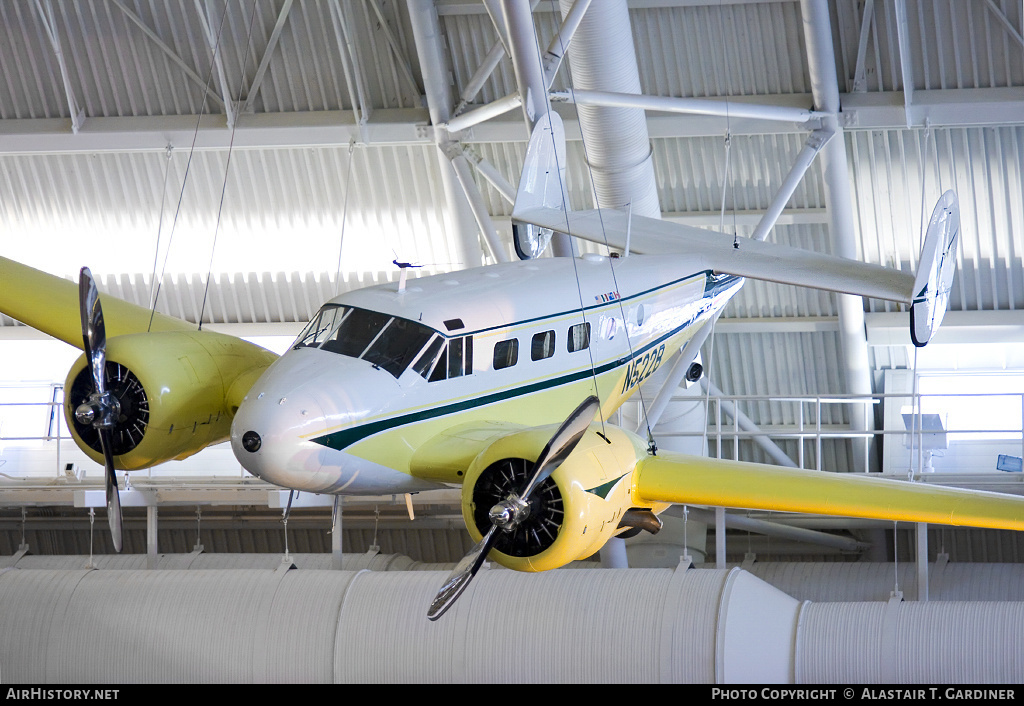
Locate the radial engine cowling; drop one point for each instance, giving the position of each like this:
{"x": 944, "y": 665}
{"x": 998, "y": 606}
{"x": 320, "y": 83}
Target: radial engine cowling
{"x": 177, "y": 393}
{"x": 572, "y": 514}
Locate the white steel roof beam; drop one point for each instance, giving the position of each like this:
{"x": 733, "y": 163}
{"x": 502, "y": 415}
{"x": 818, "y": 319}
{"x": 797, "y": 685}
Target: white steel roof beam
{"x": 400, "y": 58}
{"x": 494, "y": 11}
{"x": 261, "y": 70}
{"x": 975, "y": 107}
{"x": 464, "y": 212}
{"x": 522, "y": 39}
{"x": 489, "y": 172}
{"x": 1007, "y": 25}
{"x": 815, "y": 141}
{"x": 559, "y": 44}
{"x": 44, "y": 8}
{"x": 692, "y": 106}
{"x": 859, "y": 82}
{"x": 480, "y": 76}
{"x": 906, "y": 64}
{"x": 213, "y": 41}
{"x": 474, "y": 7}
{"x": 351, "y": 67}
{"x": 170, "y": 53}
{"x": 551, "y": 61}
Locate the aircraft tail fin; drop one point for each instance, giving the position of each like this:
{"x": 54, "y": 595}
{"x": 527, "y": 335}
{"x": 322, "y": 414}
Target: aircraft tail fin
{"x": 935, "y": 269}
{"x": 542, "y": 185}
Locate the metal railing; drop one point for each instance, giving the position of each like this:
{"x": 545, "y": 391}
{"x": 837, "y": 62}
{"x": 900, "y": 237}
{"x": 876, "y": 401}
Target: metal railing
{"x": 808, "y": 413}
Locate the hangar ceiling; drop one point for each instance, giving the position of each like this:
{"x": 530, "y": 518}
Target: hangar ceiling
{"x": 282, "y": 151}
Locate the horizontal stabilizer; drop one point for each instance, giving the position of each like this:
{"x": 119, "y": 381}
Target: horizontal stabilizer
{"x": 50, "y": 304}
{"x": 695, "y": 480}
{"x": 752, "y": 258}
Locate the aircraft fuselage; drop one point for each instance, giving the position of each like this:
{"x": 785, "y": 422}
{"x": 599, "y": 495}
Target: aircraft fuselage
{"x": 379, "y": 372}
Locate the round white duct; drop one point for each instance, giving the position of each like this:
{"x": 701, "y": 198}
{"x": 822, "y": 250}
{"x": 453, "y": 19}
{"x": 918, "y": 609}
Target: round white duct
{"x": 587, "y": 625}
{"x": 584, "y": 626}
{"x": 602, "y": 57}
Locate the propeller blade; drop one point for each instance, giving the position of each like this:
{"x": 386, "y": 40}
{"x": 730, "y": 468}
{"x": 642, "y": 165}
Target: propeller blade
{"x": 113, "y": 497}
{"x": 94, "y": 333}
{"x": 562, "y": 443}
{"x": 101, "y": 409}
{"x": 461, "y": 575}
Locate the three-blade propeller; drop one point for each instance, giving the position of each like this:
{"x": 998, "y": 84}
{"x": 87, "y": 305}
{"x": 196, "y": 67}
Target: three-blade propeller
{"x": 101, "y": 408}
{"x": 506, "y": 515}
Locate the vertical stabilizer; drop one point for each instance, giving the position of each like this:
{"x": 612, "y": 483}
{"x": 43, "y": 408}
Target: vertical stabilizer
{"x": 542, "y": 185}
{"x": 935, "y": 269}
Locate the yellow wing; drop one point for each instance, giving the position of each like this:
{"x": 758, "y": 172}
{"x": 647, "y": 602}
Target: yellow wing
{"x": 50, "y": 304}
{"x": 185, "y": 384}
{"x": 695, "y": 480}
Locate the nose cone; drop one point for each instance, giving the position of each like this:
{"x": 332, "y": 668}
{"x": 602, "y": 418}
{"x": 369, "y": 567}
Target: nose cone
{"x": 271, "y": 432}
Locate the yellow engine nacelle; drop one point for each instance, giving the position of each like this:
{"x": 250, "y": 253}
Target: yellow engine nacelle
{"x": 573, "y": 513}
{"x": 178, "y": 392}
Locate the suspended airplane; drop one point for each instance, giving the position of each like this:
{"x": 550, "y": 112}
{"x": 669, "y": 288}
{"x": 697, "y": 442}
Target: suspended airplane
{"x": 499, "y": 379}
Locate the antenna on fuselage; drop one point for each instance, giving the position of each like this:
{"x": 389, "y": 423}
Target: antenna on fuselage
{"x": 403, "y": 266}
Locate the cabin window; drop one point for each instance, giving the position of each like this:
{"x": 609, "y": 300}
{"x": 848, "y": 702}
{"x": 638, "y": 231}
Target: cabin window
{"x": 357, "y": 331}
{"x": 397, "y": 345}
{"x": 320, "y": 327}
{"x": 441, "y": 369}
{"x": 579, "y": 337}
{"x": 455, "y": 360}
{"x": 543, "y": 345}
{"x": 425, "y": 363}
{"x": 506, "y": 353}
{"x": 386, "y": 341}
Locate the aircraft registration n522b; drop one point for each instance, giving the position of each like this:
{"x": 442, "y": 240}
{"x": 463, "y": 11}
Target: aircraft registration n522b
{"x": 498, "y": 379}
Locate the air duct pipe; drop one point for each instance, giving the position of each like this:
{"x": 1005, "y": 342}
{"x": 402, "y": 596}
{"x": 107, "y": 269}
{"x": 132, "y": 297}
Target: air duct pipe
{"x": 639, "y": 626}
{"x": 602, "y": 58}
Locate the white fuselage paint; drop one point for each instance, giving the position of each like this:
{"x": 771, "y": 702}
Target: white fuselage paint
{"x": 334, "y": 423}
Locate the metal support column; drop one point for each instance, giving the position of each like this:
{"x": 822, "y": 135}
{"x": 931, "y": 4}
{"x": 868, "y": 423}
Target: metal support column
{"x": 151, "y": 536}
{"x": 430, "y": 50}
{"x": 719, "y": 537}
{"x": 336, "y": 544}
{"x": 839, "y": 205}
{"x": 922, "y": 561}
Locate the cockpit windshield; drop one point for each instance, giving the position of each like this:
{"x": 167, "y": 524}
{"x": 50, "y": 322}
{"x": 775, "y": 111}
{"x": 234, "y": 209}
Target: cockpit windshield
{"x": 386, "y": 341}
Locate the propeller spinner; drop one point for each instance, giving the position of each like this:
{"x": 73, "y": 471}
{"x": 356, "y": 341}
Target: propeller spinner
{"x": 507, "y": 514}
{"x": 101, "y": 408}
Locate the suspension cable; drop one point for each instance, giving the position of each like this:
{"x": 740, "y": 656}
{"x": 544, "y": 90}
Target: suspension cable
{"x": 188, "y": 166}
{"x": 227, "y": 169}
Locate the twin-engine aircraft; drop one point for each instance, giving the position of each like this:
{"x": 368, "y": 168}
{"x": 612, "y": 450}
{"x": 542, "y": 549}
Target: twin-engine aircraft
{"x": 498, "y": 379}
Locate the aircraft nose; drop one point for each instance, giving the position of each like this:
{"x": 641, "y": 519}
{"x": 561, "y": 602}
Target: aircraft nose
{"x": 270, "y": 438}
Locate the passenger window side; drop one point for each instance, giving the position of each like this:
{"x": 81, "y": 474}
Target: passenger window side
{"x": 542, "y": 346}
{"x": 579, "y": 337}
{"x": 506, "y": 353}
{"x": 455, "y": 360}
